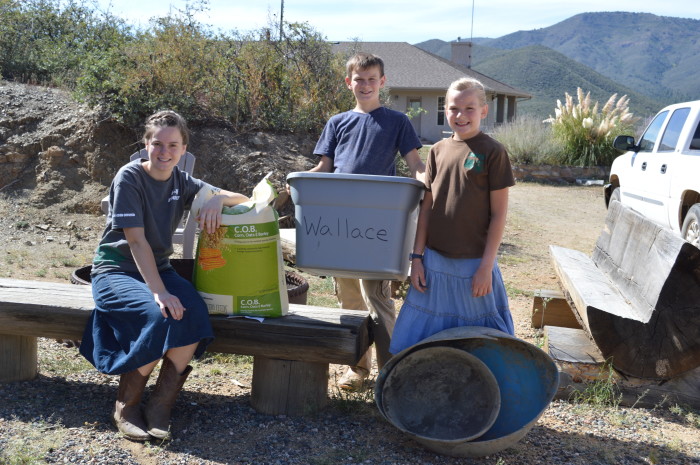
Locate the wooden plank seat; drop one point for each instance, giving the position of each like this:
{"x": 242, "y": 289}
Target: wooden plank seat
{"x": 637, "y": 296}
{"x": 291, "y": 354}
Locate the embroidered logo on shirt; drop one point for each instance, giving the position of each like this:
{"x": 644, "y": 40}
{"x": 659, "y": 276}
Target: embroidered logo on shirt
{"x": 174, "y": 195}
{"x": 474, "y": 162}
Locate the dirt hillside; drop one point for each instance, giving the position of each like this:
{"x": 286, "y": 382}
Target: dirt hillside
{"x": 59, "y": 154}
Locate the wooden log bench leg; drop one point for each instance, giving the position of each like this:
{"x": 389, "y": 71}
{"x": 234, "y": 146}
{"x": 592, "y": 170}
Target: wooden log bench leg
{"x": 288, "y": 387}
{"x": 18, "y": 358}
{"x": 550, "y": 308}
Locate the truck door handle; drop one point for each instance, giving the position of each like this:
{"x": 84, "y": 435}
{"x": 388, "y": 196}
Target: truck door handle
{"x": 644, "y": 166}
{"x": 663, "y": 169}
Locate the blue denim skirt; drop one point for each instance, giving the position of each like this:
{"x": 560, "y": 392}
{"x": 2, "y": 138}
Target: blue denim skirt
{"x": 448, "y": 302}
{"x": 126, "y": 329}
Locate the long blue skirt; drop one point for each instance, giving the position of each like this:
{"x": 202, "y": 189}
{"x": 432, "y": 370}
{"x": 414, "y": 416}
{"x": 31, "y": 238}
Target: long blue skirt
{"x": 126, "y": 329}
{"x": 448, "y": 302}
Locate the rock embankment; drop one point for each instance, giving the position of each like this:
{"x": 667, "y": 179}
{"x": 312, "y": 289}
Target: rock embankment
{"x": 58, "y": 152}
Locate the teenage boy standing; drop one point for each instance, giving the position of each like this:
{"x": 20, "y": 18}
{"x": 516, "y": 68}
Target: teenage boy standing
{"x": 365, "y": 140}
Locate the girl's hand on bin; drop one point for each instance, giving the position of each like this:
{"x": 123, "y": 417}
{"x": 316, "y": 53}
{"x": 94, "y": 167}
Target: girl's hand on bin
{"x": 418, "y": 276}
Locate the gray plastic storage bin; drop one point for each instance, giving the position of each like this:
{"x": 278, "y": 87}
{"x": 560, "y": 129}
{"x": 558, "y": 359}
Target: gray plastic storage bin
{"x": 354, "y": 225}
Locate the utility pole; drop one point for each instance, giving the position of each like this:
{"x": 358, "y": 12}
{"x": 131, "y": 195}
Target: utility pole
{"x": 471, "y": 38}
{"x": 471, "y": 33}
{"x": 281, "y": 20}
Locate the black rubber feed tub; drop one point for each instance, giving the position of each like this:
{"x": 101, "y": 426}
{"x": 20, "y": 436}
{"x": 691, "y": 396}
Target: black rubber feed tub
{"x": 297, "y": 287}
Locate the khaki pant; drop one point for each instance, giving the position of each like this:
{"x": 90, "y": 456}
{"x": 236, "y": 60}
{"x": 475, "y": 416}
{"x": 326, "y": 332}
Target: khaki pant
{"x": 375, "y": 295}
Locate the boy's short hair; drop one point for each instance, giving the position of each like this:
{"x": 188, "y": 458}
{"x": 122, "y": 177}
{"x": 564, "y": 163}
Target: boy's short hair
{"x": 362, "y": 60}
{"x": 467, "y": 83}
{"x": 166, "y": 118}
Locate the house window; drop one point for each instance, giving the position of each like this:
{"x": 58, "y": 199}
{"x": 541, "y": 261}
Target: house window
{"x": 441, "y": 111}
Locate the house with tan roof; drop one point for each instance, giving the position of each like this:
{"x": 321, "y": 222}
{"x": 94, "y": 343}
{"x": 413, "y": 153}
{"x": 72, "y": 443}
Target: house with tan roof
{"x": 418, "y": 79}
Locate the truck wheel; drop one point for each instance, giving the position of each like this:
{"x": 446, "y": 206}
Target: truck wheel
{"x": 691, "y": 226}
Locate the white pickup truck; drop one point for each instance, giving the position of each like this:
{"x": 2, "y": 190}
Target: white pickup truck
{"x": 660, "y": 175}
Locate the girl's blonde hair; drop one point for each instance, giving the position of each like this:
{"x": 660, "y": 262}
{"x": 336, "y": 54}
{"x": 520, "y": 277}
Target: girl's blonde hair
{"x": 467, "y": 83}
{"x": 164, "y": 119}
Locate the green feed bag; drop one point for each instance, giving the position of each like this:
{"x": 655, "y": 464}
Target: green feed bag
{"x": 239, "y": 268}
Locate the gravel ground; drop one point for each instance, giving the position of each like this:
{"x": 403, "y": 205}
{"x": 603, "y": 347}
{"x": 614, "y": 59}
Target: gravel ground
{"x": 63, "y": 416}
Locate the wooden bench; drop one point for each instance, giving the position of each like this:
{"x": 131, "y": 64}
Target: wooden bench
{"x": 638, "y": 296}
{"x": 291, "y": 354}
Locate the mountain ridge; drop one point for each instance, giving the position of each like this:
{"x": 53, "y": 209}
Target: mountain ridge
{"x": 650, "y": 58}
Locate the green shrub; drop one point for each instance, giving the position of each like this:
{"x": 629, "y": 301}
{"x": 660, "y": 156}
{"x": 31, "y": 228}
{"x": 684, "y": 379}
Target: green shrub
{"x": 45, "y": 41}
{"x": 173, "y": 65}
{"x": 586, "y": 133}
{"x": 297, "y": 83}
{"x": 602, "y": 391}
{"x": 529, "y": 141}
{"x": 250, "y": 81}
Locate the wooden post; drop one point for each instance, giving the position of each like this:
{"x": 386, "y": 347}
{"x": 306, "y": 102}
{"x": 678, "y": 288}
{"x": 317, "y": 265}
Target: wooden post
{"x": 500, "y": 108}
{"x": 18, "y": 358}
{"x": 550, "y": 308}
{"x": 288, "y": 387}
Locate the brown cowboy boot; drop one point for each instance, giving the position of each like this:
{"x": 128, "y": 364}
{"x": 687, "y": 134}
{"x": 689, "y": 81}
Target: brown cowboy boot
{"x": 163, "y": 398}
{"x": 127, "y": 416}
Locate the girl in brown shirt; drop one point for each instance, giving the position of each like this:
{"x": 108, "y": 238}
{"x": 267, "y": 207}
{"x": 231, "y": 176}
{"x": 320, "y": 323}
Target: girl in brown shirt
{"x": 455, "y": 280}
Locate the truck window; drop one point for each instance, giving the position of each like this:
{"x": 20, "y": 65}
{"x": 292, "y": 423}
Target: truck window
{"x": 646, "y": 144}
{"x": 695, "y": 141}
{"x": 673, "y": 130}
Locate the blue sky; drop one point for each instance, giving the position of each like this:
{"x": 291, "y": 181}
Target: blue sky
{"x": 398, "y": 20}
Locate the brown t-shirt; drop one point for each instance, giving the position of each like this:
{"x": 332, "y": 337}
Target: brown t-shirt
{"x": 461, "y": 175}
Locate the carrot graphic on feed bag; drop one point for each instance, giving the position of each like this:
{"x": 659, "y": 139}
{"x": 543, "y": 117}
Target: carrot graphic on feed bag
{"x": 210, "y": 258}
